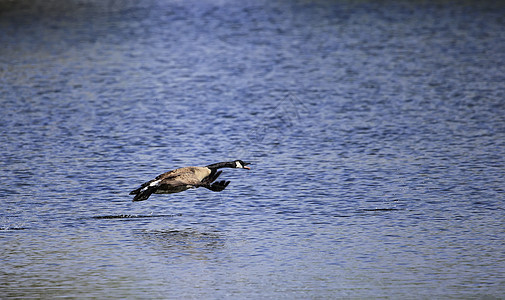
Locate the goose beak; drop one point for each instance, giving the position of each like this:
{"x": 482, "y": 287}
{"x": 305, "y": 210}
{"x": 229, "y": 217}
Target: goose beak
{"x": 246, "y": 167}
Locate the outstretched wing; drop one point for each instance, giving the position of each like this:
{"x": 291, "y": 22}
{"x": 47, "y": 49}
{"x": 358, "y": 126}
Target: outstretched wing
{"x": 218, "y": 186}
{"x": 179, "y": 180}
{"x": 166, "y": 175}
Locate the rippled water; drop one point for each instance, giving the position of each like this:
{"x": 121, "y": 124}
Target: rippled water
{"x": 376, "y": 133}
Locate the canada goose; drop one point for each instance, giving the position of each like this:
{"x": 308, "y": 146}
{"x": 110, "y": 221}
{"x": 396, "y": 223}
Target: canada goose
{"x": 181, "y": 179}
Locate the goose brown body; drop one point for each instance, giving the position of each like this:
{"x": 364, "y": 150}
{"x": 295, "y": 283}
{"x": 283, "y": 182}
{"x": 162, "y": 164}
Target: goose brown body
{"x": 181, "y": 179}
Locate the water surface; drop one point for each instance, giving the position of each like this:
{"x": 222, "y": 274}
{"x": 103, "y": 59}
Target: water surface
{"x": 376, "y": 133}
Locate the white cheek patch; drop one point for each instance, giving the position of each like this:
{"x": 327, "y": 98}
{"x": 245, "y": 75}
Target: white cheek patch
{"x": 238, "y": 165}
{"x": 154, "y": 183}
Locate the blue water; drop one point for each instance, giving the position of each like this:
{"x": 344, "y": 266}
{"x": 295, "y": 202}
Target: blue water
{"x": 376, "y": 133}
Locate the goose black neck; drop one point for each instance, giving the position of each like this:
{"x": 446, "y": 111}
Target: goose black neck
{"x": 226, "y": 164}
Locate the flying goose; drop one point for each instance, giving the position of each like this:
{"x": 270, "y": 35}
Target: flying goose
{"x": 181, "y": 179}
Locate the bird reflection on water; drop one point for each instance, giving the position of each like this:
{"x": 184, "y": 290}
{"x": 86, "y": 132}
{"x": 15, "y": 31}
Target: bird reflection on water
{"x": 175, "y": 243}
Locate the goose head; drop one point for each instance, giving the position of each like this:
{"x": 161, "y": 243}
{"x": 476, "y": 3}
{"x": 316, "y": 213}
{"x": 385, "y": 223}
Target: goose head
{"x": 239, "y": 164}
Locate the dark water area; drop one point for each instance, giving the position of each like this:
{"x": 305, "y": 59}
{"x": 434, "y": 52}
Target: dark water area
{"x": 376, "y": 132}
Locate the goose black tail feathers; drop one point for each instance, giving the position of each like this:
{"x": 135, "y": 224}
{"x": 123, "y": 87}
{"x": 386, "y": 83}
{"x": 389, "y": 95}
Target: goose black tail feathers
{"x": 142, "y": 194}
{"x": 135, "y": 192}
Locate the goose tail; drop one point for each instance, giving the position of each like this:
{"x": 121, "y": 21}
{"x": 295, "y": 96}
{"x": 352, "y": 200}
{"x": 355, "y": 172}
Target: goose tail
{"x": 142, "y": 194}
{"x": 145, "y": 190}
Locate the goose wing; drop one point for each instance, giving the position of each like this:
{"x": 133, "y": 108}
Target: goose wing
{"x": 186, "y": 178}
{"x": 199, "y": 172}
{"x": 161, "y": 176}
{"x": 167, "y": 176}
{"x": 174, "y": 181}
{"x": 169, "y": 184}
{"x": 171, "y": 173}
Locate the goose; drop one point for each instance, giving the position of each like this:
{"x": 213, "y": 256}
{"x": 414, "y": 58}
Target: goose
{"x": 181, "y": 179}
